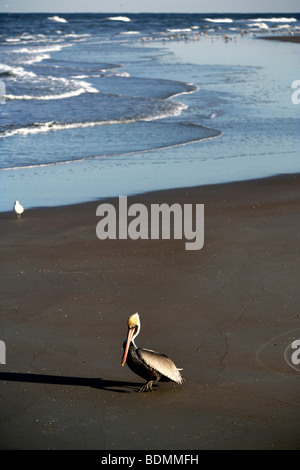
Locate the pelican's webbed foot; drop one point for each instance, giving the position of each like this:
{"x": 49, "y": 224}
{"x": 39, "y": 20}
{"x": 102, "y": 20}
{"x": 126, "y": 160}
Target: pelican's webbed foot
{"x": 147, "y": 387}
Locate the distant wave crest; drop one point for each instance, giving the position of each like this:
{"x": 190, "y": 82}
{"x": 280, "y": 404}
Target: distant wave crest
{"x": 275, "y": 20}
{"x": 57, "y": 18}
{"x": 119, "y": 18}
{"x": 219, "y": 20}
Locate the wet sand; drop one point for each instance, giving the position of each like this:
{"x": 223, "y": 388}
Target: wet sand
{"x": 225, "y": 314}
{"x": 289, "y": 38}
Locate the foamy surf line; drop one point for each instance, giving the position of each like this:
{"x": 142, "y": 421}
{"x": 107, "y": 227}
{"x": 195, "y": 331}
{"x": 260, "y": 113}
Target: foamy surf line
{"x": 17, "y": 71}
{"x": 40, "y": 50}
{"x": 41, "y": 127}
{"x": 54, "y": 126}
{"x": 193, "y": 89}
{"x": 214, "y": 134}
{"x": 60, "y": 96}
{"x": 80, "y": 87}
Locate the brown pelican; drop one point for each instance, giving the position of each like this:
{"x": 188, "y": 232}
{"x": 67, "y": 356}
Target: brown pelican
{"x": 148, "y": 364}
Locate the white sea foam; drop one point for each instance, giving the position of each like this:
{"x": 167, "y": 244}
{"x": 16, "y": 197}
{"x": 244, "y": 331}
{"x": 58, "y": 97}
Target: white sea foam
{"x": 12, "y": 40}
{"x": 40, "y": 127}
{"x": 67, "y": 94}
{"x": 219, "y": 20}
{"x": 80, "y": 87}
{"x": 119, "y": 18}
{"x": 57, "y": 18}
{"x": 65, "y": 162}
{"x": 38, "y": 54}
{"x": 130, "y": 32}
{"x": 40, "y": 50}
{"x": 26, "y": 35}
{"x": 87, "y": 87}
{"x": 182, "y": 30}
{"x": 18, "y": 71}
{"x": 37, "y": 127}
{"x": 26, "y": 38}
{"x": 259, "y": 25}
{"x": 121, "y": 74}
{"x": 283, "y": 26}
{"x": 75, "y": 36}
{"x": 275, "y": 20}
{"x": 37, "y": 58}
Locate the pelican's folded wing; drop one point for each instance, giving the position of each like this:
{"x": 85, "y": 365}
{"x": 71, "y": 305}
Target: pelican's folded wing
{"x": 161, "y": 363}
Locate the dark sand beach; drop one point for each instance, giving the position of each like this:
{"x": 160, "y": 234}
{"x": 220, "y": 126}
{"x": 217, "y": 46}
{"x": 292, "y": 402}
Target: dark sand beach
{"x": 225, "y": 314}
{"x": 289, "y": 38}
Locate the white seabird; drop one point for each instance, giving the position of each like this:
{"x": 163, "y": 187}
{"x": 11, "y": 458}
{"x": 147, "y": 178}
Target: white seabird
{"x": 19, "y": 209}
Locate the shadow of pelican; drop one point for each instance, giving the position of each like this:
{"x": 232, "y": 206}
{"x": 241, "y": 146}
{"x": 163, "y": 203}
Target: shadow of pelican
{"x": 102, "y": 384}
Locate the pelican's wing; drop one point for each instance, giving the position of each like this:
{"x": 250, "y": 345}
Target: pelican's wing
{"x": 161, "y": 363}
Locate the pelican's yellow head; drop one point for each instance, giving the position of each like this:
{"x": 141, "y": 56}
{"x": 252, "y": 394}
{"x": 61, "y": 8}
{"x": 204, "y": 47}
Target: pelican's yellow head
{"x": 133, "y": 330}
{"x": 133, "y": 321}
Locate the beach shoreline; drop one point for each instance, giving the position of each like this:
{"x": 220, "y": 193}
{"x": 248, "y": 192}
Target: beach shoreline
{"x": 288, "y": 38}
{"x": 131, "y": 162}
{"x": 225, "y": 314}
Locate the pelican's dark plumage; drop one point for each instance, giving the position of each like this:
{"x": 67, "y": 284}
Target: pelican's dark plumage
{"x": 148, "y": 364}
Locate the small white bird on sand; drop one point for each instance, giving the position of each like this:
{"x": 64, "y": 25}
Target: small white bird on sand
{"x": 19, "y": 209}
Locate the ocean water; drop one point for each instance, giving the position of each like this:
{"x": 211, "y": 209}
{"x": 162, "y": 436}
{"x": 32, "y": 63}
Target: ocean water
{"x": 97, "y": 105}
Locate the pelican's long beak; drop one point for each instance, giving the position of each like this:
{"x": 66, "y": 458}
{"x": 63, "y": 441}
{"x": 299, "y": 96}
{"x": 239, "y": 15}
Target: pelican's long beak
{"x": 129, "y": 339}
